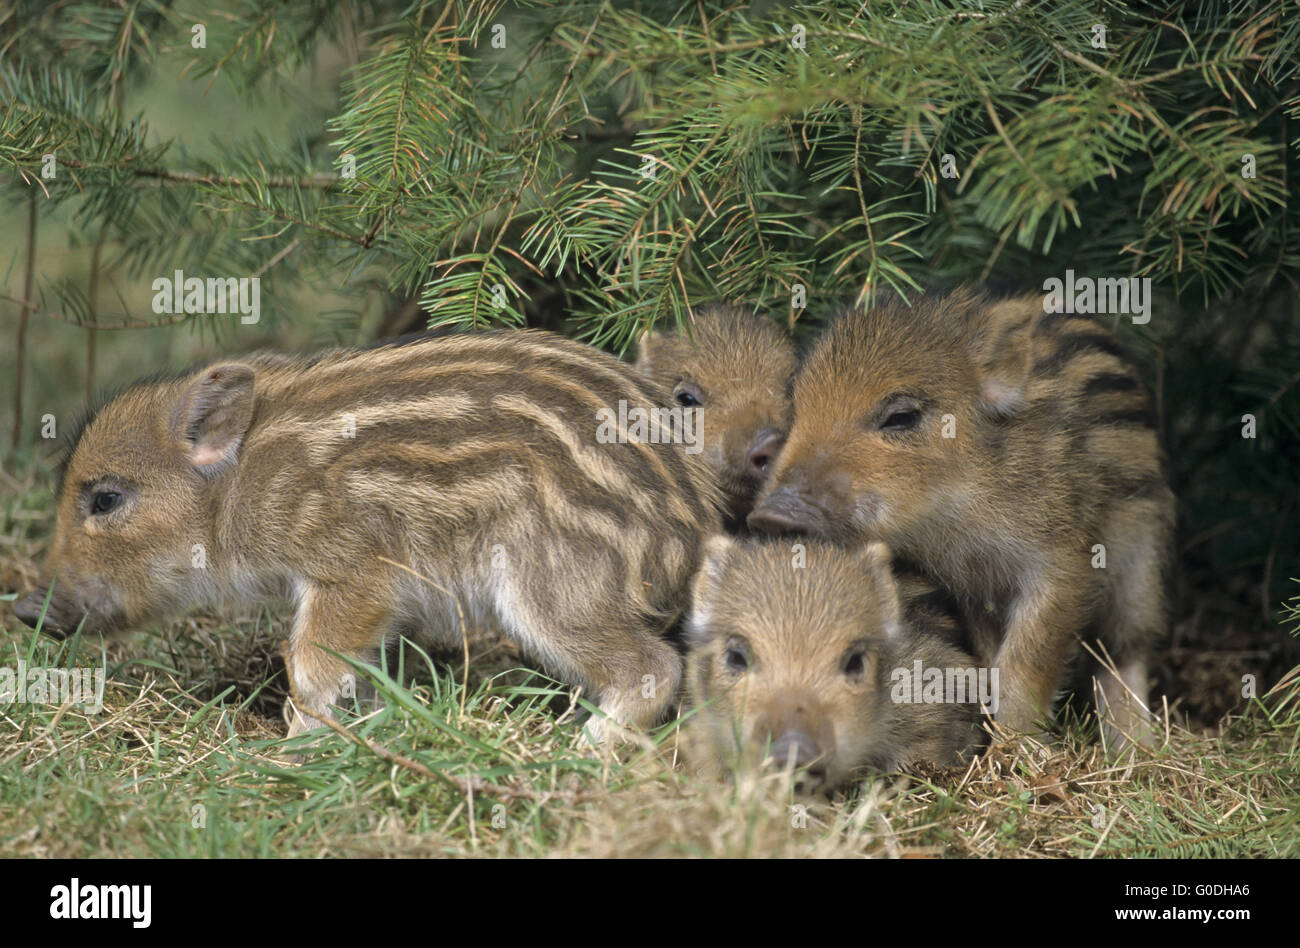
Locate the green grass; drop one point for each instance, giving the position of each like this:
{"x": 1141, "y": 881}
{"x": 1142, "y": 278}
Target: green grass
{"x": 186, "y": 758}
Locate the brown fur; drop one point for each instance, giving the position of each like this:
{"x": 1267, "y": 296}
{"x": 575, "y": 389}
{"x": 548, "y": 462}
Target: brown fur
{"x": 472, "y": 459}
{"x": 1054, "y": 451}
{"x": 738, "y": 366}
{"x": 799, "y": 620}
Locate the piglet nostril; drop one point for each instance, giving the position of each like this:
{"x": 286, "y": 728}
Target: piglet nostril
{"x": 29, "y": 609}
{"x": 784, "y": 512}
{"x": 767, "y": 444}
{"x": 810, "y": 781}
{"x": 795, "y": 749}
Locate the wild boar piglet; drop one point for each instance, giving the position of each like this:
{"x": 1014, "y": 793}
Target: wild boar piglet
{"x": 734, "y": 369}
{"x": 1011, "y": 453}
{"x": 822, "y": 658}
{"x": 512, "y": 469}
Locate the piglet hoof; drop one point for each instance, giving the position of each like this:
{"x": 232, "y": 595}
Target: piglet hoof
{"x": 300, "y": 722}
{"x": 1122, "y": 736}
{"x": 600, "y": 735}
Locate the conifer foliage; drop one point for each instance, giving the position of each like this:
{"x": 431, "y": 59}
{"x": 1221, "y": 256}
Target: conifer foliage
{"x": 600, "y": 167}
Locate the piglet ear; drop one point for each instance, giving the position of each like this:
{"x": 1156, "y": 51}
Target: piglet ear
{"x": 1000, "y": 399}
{"x": 649, "y": 352}
{"x": 877, "y": 562}
{"x": 1001, "y": 350}
{"x": 714, "y": 555}
{"x": 213, "y": 415}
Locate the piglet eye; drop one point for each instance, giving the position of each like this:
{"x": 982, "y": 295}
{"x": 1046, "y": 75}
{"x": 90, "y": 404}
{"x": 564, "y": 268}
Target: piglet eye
{"x": 688, "y": 395}
{"x": 904, "y": 420}
{"x": 736, "y": 657}
{"x": 104, "y": 501}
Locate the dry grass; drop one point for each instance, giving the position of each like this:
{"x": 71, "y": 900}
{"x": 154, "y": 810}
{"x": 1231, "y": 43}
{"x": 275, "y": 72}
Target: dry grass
{"x": 184, "y": 760}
